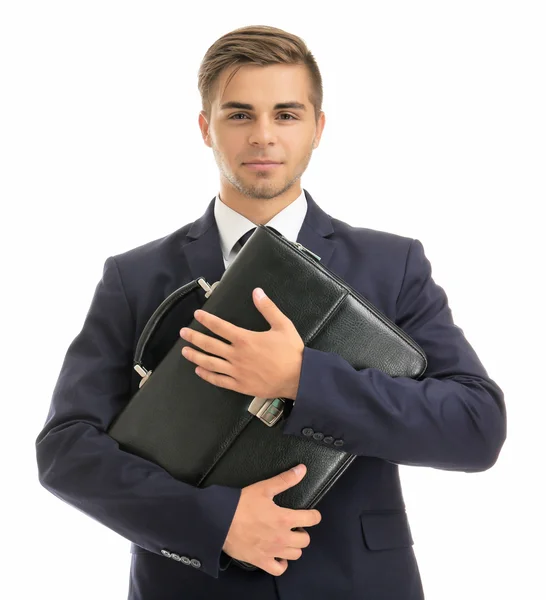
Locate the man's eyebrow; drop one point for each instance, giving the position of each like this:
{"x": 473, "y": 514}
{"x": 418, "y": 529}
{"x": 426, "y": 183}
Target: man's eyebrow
{"x": 279, "y": 106}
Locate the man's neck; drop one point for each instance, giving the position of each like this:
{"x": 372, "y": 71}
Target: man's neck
{"x": 259, "y": 211}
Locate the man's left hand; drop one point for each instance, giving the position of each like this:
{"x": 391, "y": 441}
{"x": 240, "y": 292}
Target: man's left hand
{"x": 266, "y": 364}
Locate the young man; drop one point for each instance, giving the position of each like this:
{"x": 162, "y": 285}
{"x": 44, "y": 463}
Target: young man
{"x": 262, "y": 117}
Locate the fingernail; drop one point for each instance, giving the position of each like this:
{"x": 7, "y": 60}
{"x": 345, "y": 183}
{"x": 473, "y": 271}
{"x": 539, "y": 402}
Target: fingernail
{"x": 299, "y": 469}
{"x": 260, "y": 293}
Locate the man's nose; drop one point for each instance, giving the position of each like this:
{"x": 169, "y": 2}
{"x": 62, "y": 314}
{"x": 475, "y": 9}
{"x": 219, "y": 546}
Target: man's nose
{"x": 263, "y": 132}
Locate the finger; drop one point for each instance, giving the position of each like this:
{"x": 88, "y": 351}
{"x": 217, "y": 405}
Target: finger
{"x": 224, "y": 381}
{"x": 210, "y": 363}
{"x": 302, "y": 518}
{"x": 290, "y": 553}
{"x": 206, "y": 342}
{"x": 225, "y": 329}
{"x": 272, "y": 313}
{"x": 281, "y": 482}
{"x": 297, "y": 539}
{"x": 274, "y": 567}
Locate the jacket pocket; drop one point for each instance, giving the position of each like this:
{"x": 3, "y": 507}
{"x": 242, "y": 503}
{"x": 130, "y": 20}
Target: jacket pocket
{"x": 382, "y": 530}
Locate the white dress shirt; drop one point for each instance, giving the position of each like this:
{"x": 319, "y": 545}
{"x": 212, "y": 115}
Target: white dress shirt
{"x": 232, "y": 225}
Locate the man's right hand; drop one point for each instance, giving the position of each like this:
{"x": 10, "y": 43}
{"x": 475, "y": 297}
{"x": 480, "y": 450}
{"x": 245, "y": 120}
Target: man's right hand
{"x": 262, "y": 531}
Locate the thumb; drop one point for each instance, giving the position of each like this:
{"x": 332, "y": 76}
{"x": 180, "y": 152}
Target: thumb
{"x": 285, "y": 480}
{"x": 269, "y": 310}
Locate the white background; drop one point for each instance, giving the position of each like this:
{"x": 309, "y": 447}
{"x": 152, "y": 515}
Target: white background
{"x": 435, "y": 129}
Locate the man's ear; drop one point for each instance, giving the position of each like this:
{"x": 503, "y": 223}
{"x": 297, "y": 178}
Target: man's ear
{"x": 204, "y": 126}
{"x": 320, "y": 128}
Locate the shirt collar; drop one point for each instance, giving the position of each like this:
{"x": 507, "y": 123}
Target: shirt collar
{"x": 232, "y": 225}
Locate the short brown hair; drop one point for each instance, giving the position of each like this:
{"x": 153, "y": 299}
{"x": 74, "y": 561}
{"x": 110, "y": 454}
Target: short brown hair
{"x": 259, "y": 45}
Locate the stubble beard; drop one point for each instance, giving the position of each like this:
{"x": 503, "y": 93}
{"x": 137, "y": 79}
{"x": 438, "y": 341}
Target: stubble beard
{"x": 262, "y": 188}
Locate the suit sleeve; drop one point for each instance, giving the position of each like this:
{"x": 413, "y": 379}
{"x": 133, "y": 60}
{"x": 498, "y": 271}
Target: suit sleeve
{"x": 452, "y": 418}
{"x": 82, "y": 465}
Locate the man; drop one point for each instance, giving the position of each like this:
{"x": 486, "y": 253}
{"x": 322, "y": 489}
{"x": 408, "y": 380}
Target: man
{"x": 262, "y": 95}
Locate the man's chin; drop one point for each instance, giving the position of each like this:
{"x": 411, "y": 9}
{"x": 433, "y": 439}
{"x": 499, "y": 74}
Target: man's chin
{"x": 261, "y": 191}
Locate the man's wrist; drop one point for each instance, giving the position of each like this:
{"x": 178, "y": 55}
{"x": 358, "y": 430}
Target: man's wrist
{"x": 292, "y": 390}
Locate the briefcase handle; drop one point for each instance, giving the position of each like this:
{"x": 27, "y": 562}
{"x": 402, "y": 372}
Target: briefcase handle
{"x": 157, "y": 317}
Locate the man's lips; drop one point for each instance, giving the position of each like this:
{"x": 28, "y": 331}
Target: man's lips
{"x": 258, "y": 166}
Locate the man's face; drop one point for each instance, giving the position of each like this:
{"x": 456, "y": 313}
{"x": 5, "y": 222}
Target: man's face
{"x": 262, "y": 130}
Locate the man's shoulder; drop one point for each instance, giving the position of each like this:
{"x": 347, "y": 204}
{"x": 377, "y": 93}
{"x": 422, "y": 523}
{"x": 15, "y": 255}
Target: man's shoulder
{"x": 368, "y": 238}
{"x": 156, "y": 250}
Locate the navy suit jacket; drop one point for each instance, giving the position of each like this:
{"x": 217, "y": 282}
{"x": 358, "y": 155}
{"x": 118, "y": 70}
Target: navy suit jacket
{"x": 453, "y": 418}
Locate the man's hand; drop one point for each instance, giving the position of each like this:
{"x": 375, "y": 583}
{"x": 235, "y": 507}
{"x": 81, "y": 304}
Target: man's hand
{"x": 266, "y": 364}
{"x": 262, "y": 531}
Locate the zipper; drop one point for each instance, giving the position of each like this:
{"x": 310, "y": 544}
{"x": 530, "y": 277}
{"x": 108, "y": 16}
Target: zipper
{"x": 306, "y": 250}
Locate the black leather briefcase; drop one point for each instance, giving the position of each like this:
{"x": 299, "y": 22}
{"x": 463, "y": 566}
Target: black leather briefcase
{"x": 204, "y": 434}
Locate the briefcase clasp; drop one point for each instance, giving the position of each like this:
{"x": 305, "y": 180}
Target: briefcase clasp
{"x": 268, "y": 410}
{"x": 143, "y": 373}
{"x": 206, "y": 286}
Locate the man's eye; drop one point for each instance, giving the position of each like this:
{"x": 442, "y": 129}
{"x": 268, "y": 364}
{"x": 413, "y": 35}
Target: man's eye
{"x": 244, "y": 115}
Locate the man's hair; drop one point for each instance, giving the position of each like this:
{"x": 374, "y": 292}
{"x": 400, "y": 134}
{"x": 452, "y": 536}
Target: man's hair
{"x": 257, "y": 45}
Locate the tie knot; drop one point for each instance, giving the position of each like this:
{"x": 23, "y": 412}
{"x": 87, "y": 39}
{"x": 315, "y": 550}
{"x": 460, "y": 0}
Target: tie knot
{"x": 244, "y": 238}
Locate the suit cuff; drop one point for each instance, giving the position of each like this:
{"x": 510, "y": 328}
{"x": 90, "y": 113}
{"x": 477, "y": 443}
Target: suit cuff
{"x": 312, "y": 414}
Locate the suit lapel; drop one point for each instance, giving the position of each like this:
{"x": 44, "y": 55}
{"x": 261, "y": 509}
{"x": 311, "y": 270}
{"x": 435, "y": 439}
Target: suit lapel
{"x": 203, "y": 251}
{"x": 204, "y": 254}
{"x": 316, "y": 226}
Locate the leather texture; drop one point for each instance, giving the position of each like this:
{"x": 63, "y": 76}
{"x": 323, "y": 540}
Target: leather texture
{"x": 203, "y": 434}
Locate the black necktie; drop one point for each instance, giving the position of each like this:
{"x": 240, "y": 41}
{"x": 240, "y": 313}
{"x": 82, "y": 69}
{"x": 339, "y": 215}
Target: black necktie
{"x": 244, "y": 238}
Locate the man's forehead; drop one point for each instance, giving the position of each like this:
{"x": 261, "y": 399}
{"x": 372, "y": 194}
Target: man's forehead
{"x": 232, "y": 82}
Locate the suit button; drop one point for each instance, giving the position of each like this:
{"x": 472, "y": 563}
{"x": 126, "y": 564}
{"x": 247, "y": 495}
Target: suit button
{"x": 307, "y": 431}
{"x": 328, "y": 439}
{"x": 339, "y": 443}
{"x": 175, "y": 556}
{"x": 166, "y": 553}
{"x": 185, "y": 560}
{"x": 318, "y": 436}
{"x": 195, "y": 563}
